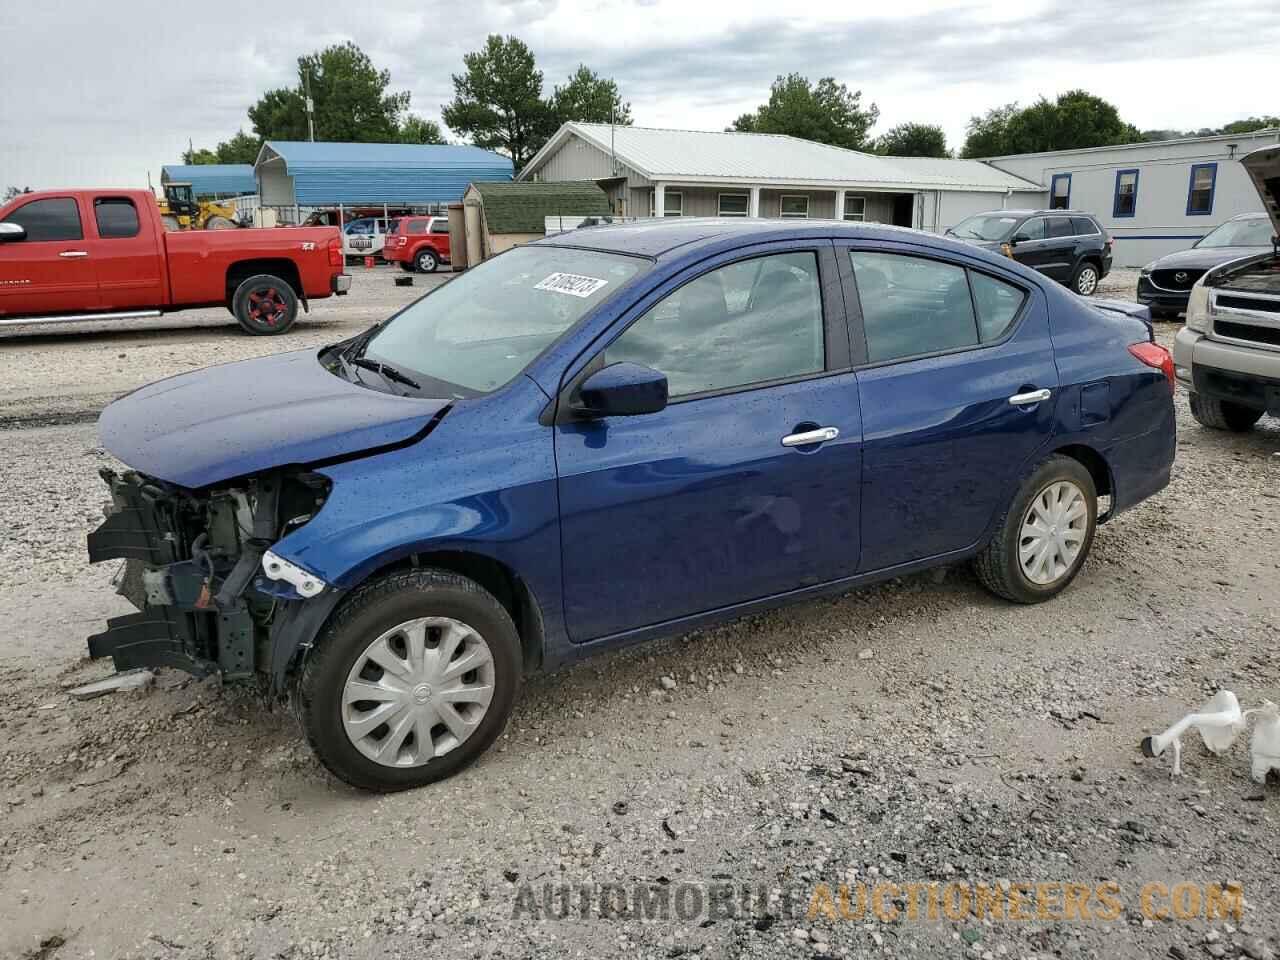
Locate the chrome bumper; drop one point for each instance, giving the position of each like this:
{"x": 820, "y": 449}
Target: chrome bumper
{"x": 341, "y": 283}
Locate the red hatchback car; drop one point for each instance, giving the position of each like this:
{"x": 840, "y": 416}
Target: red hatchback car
{"x": 419, "y": 243}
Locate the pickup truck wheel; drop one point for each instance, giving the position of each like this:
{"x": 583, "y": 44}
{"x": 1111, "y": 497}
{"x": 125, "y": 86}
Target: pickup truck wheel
{"x": 1085, "y": 280}
{"x": 411, "y": 681}
{"x": 1041, "y": 542}
{"x": 265, "y": 305}
{"x": 426, "y": 261}
{"x": 1222, "y": 414}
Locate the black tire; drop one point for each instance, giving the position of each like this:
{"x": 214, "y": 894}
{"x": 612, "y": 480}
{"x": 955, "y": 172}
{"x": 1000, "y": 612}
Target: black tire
{"x": 1163, "y": 314}
{"x": 265, "y": 305}
{"x": 1222, "y": 414}
{"x": 373, "y": 609}
{"x": 426, "y": 261}
{"x": 406, "y": 267}
{"x": 998, "y": 566}
{"x": 1086, "y": 278}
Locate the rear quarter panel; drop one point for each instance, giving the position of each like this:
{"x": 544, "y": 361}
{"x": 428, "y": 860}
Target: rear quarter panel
{"x": 199, "y": 260}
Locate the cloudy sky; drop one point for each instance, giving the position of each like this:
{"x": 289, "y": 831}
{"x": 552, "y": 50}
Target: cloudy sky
{"x": 104, "y": 91}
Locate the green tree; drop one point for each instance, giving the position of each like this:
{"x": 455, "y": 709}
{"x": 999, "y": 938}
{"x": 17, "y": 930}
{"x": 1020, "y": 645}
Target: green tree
{"x": 350, "y": 96}
{"x": 242, "y": 148}
{"x": 498, "y": 100}
{"x": 1074, "y": 120}
{"x": 913, "y": 140}
{"x": 826, "y": 112}
{"x": 589, "y": 98}
{"x": 1250, "y": 125}
{"x": 415, "y": 129}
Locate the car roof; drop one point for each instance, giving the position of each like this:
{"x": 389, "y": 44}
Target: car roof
{"x": 659, "y": 238}
{"x": 1034, "y": 213}
{"x": 1251, "y": 216}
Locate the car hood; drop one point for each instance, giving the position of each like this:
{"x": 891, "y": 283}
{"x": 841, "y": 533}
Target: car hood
{"x": 207, "y": 426}
{"x": 1263, "y": 166}
{"x": 1203, "y": 258}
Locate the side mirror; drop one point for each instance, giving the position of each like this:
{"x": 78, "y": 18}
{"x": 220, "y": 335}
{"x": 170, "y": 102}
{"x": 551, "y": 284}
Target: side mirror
{"x": 12, "y": 232}
{"x": 622, "y": 390}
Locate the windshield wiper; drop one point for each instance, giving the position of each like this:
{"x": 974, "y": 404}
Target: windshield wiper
{"x": 386, "y": 370}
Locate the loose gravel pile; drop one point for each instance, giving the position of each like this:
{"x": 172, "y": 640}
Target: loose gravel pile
{"x": 916, "y": 733}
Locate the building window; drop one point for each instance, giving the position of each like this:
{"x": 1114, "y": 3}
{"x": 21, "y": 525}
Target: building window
{"x": 1204, "y": 176}
{"x": 1125, "y": 201}
{"x": 733, "y": 204}
{"x": 793, "y": 206}
{"x": 672, "y": 203}
{"x": 1060, "y": 192}
{"x": 855, "y": 208}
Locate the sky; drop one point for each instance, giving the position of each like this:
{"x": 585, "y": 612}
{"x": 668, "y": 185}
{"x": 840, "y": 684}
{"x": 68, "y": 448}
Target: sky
{"x": 104, "y": 92}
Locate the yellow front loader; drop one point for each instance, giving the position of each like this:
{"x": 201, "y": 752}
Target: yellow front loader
{"x": 180, "y": 210}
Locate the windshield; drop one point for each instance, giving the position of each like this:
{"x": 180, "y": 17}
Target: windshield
{"x": 482, "y": 328}
{"x": 1256, "y": 232}
{"x": 984, "y": 226}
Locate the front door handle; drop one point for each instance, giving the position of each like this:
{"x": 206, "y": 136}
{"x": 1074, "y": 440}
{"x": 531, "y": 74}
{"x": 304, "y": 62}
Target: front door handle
{"x": 820, "y": 435}
{"x": 74, "y": 253}
{"x": 1026, "y": 399}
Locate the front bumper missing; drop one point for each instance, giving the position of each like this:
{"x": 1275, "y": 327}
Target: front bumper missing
{"x": 195, "y": 566}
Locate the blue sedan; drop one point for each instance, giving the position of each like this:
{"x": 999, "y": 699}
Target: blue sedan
{"x": 611, "y": 435}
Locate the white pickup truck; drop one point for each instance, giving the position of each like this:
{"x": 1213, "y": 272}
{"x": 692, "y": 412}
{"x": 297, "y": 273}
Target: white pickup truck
{"x": 1228, "y": 354}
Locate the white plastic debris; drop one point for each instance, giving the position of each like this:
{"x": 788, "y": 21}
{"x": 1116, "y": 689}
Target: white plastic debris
{"x": 130, "y": 680}
{"x": 1265, "y": 746}
{"x": 1219, "y": 722}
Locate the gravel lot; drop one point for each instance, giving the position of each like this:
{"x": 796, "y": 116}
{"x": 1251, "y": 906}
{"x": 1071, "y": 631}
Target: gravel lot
{"x": 916, "y": 732}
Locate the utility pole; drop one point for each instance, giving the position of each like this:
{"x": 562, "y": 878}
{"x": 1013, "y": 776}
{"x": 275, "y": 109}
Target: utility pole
{"x": 311, "y": 107}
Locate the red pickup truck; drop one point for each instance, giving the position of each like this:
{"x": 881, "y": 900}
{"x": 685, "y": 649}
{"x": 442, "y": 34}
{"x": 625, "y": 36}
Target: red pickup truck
{"x": 418, "y": 243}
{"x": 104, "y": 254}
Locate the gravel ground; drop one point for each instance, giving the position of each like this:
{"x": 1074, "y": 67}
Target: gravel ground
{"x": 918, "y": 732}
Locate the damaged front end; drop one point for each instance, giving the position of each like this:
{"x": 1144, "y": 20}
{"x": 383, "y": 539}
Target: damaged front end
{"x": 212, "y": 597}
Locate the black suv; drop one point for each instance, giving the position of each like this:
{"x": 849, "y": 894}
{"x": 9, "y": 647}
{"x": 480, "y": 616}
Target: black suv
{"x": 1066, "y": 245}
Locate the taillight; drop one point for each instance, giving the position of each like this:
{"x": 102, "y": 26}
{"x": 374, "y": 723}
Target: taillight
{"x": 1154, "y": 355}
{"x": 335, "y": 252}
{"x": 402, "y": 242}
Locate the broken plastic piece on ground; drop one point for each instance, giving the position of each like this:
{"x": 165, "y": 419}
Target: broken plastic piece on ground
{"x": 1265, "y": 745}
{"x": 129, "y": 680}
{"x": 1219, "y": 722}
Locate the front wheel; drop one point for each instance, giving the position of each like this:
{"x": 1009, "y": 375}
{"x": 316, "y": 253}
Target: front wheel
{"x": 265, "y": 305}
{"x": 1085, "y": 280}
{"x": 1042, "y": 540}
{"x": 413, "y": 680}
{"x": 426, "y": 262}
{"x": 1222, "y": 414}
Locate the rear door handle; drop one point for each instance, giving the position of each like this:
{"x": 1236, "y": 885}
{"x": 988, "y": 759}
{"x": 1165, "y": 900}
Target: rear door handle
{"x": 73, "y": 253}
{"x": 1026, "y": 399}
{"x": 821, "y": 435}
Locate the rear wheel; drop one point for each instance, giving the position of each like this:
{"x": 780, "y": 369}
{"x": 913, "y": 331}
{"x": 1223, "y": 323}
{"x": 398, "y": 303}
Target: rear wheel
{"x": 1222, "y": 414}
{"x": 1085, "y": 280}
{"x": 413, "y": 680}
{"x": 218, "y": 222}
{"x": 1043, "y": 539}
{"x": 265, "y": 305}
{"x": 426, "y": 261}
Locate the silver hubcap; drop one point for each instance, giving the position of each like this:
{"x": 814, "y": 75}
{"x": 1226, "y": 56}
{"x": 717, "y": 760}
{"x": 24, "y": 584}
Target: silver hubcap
{"x": 1088, "y": 281}
{"x": 1053, "y": 532}
{"x": 418, "y": 691}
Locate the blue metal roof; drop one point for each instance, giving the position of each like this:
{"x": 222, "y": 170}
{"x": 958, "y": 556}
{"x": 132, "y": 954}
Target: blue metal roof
{"x": 405, "y": 173}
{"x": 208, "y": 179}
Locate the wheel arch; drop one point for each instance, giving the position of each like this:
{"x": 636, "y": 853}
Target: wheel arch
{"x": 282, "y": 267}
{"x": 1098, "y": 468}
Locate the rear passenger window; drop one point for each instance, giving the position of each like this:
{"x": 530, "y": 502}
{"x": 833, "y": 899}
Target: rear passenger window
{"x": 912, "y": 306}
{"x": 439, "y": 226}
{"x": 117, "y": 218}
{"x": 1083, "y": 226}
{"x": 1059, "y": 227}
{"x": 998, "y": 304}
{"x": 54, "y": 218}
{"x": 748, "y": 322}
{"x": 417, "y": 226}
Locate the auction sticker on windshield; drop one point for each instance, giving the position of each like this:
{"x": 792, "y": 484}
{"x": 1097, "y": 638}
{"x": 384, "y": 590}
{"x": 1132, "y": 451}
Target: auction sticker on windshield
{"x": 571, "y": 283}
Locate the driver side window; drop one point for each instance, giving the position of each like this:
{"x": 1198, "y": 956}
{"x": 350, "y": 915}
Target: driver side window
{"x": 50, "y": 219}
{"x": 747, "y": 322}
{"x": 1033, "y": 229}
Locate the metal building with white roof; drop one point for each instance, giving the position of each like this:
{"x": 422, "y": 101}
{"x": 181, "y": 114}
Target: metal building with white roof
{"x": 656, "y": 172}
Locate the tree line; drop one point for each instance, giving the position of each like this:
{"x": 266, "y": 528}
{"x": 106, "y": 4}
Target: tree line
{"x": 499, "y": 104}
